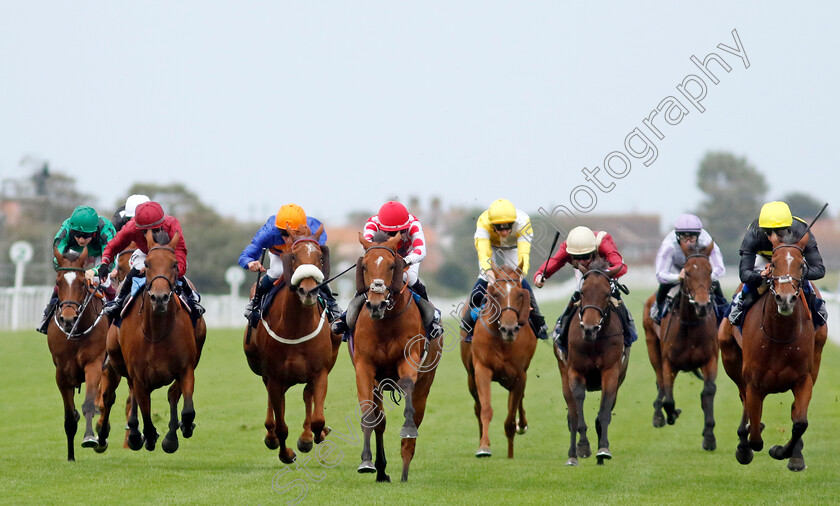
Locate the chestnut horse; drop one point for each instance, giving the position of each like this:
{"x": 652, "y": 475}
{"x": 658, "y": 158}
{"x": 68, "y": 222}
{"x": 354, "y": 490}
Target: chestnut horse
{"x": 77, "y": 354}
{"x": 780, "y": 350}
{"x": 388, "y": 352}
{"x": 501, "y": 350}
{"x": 155, "y": 345}
{"x": 686, "y": 341}
{"x": 294, "y": 345}
{"x": 594, "y": 362}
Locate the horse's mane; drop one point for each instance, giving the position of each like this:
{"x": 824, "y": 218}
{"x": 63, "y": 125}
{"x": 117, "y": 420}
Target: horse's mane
{"x": 71, "y": 255}
{"x": 788, "y": 236}
{"x": 695, "y": 249}
{"x": 161, "y": 237}
{"x": 379, "y": 237}
{"x": 599, "y": 264}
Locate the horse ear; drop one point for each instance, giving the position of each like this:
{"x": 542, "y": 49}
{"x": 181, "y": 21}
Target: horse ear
{"x": 524, "y": 308}
{"x": 804, "y": 241}
{"x": 174, "y": 241}
{"x": 397, "y": 280}
{"x": 83, "y": 256}
{"x": 325, "y": 260}
{"x": 360, "y": 276}
{"x": 150, "y": 239}
{"x": 612, "y": 272}
{"x": 520, "y": 266}
{"x": 774, "y": 239}
{"x": 708, "y": 249}
{"x": 286, "y": 258}
{"x": 58, "y": 256}
{"x": 364, "y": 242}
{"x": 318, "y": 232}
{"x": 393, "y": 243}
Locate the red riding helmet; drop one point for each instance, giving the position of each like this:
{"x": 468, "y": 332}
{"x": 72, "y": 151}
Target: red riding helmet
{"x": 148, "y": 215}
{"x": 393, "y": 217}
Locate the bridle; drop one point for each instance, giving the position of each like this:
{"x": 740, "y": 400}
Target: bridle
{"x": 78, "y": 309}
{"x": 683, "y": 288}
{"x": 601, "y": 311}
{"x": 787, "y": 278}
{"x": 383, "y": 288}
{"x": 149, "y": 282}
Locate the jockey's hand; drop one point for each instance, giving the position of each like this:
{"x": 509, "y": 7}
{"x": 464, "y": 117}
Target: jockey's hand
{"x": 491, "y": 277}
{"x": 255, "y": 266}
{"x": 103, "y": 272}
{"x": 89, "y": 274}
{"x": 767, "y": 271}
{"x": 539, "y": 281}
{"x": 114, "y": 273}
{"x": 682, "y": 274}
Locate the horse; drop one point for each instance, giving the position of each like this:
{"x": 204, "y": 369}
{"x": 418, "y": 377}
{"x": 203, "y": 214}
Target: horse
{"x": 388, "y": 352}
{"x": 686, "y": 341}
{"x": 502, "y": 347}
{"x": 307, "y": 350}
{"x": 119, "y": 275}
{"x": 155, "y": 345}
{"x": 595, "y": 359}
{"x": 76, "y": 338}
{"x": 779, "y": 351}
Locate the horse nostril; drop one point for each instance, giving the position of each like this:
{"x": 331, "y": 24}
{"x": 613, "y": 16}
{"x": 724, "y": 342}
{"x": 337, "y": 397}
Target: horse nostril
{"x": 301, "y": 292}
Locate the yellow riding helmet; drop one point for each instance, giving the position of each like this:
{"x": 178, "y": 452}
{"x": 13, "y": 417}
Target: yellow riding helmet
{"x": 290, "y": 216}
{"x": 581, "y": 241}
{"x": 501, "y": 211}
{"x": 775, "y": 215}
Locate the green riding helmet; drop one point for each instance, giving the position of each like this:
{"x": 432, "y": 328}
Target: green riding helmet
{"x": 84, "y": 219}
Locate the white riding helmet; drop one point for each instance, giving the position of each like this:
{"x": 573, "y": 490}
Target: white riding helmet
{"x": 132, "y": 202}
{"x": 581, "y": 241}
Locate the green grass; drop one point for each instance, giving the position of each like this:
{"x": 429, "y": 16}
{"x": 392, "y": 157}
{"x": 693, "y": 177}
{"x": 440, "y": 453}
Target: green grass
{"x": 227, "y": 462}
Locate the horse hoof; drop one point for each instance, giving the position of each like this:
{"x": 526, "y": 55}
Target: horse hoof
{"x": 602, "y": 455}
{"x": 744, "y": 457}
{"x": 777, "y": 452}
{"x": 150, "y": 443}
{"x": 484, "y": 451}
{"x": 325, "y": 432}
{"x": 187, "y": 429}
{"x": 584, "y": 451}
{"x": 709, "y": 444}
{"x": 90, "y": 442}
{"x": 169, "y": 445}
{"x": 366, "y": 467}
{"x": 797, "y": 464}
{"x": 658, "y": 420}
{"x": 672, "y": 418}
{"x": 572, "y": 461}
{"x": 384, "y": 478}
{"x": 521, "y": 430}
{"x": 289, "y": 457}
{"x": 408, "y": 432}
{"x": 304, "y": 446}
{"x": 272, "y": 443}
{"x": 135, "y": 442}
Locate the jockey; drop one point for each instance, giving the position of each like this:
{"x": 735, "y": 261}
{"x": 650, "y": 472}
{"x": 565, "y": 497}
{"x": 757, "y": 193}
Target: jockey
{"x": 394, "y": 219}
{"x": 273, "y": 236}
{"x": 503, "y": 234}
{"x": 149, "y": 216}
{"x": 83, "y": 229}
{"x": 756, "y": 251}
{"x": 670, "y": 261}
{"x": 580, "y": 248}
{"x": 126, "y": 212}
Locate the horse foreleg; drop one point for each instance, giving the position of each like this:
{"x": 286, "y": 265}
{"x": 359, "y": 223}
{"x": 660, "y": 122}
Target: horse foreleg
{"x": 277, "y": 399}
{"x": 319, "y": 421}
{"x": 108, "y": 383}
{"x": 483, "y": 379}
{"x": 271, "y": 441}
{"x": 668, "y": 403}
{"x": 517, "y": 392}
{"x": 143, "y": 401}
{"x": 304, "y": 442}
{"x": 799, "y": 416}
{"x": 170, "y": 440}
{"x": 744, "y": 454}
{"x": 477, "y": 403}
{"x": 407, "y": 383}
{"x": 521, "y": 421}
{"x": 609, "y": 393}
{"x": 577, "y": 392}
{"x": 71, "y": 416}
{"x": 93, "y": 374}
{"x": 707, "y": 402}
{"x": 135, "y": 439}
{"x": 187, "y": 384}
{"x": 754, "y": 405}
{"x": 381, "y": 461}
{"x": 654, "y": 349}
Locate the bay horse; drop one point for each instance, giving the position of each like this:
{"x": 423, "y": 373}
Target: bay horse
{"x": 294, "y": 344}
{"x": 595, "y": 359}
{"x": 388, "y": 353}
{"x": 502, "y": 347}
{"x": 155, "y": 345}
{"x": 686, "y": 341}
{"x": 77, "y": 354}
{"x": 779, "y": 351}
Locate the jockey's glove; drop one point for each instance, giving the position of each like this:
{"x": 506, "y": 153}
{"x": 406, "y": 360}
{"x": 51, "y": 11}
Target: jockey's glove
{"x": 103, "y": 271}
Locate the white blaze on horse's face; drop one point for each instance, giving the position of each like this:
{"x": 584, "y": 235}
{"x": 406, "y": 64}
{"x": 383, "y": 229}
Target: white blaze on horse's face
{"x": 69, "y": 277}
{"x": 378, "y": 261}
{"x": 789, "y": 259}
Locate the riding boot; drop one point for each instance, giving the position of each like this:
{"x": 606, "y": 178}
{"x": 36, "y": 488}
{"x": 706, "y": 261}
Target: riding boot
{"x": 657, "y": 311}
{"x": 561, "y": 328}
{"x": 741, "y": 303}
{"x": 193, "y": 299}
{"x": 343, "y": 325}
{"x": 537, "y": 320}
{"x": 48, "y": 312}
{"x": 333, "y": 311}
{"x": 252, "y": 310}
{"x": 627, "y": 324}
{"x": 114, "y": 308}
{"x": 420, "y": 289}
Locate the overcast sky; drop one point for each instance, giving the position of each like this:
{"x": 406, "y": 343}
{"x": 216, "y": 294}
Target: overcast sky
{"x": 339, "y": 106}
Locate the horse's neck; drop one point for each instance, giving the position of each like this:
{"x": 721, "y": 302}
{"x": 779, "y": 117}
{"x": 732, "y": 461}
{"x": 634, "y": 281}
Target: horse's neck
{"x": 159, "y": 324}
{"x": 775, "y": 324}
{"x": 685, "y": 311}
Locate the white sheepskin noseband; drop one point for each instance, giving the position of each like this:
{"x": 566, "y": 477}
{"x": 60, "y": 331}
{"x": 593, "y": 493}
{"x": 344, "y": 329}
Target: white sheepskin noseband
{"x": 307, "y": 271}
